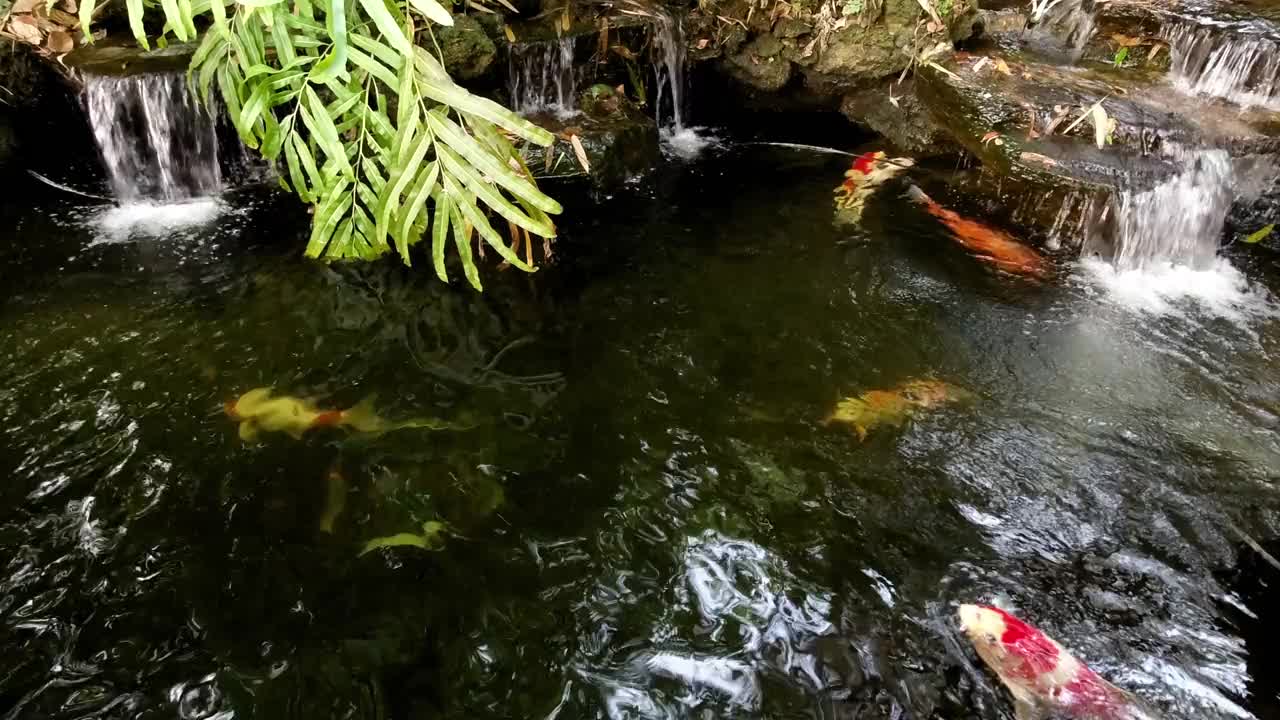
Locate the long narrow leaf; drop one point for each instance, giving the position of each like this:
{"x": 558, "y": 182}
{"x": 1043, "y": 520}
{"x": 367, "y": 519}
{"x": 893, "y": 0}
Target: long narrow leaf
{"x": 396, "y": 185}
{"x": 489, "y": 194}
{"x": 415, "y": 204}
{"x": 467, "y": 205}
{"x": 462, "y": 240}
{"x": 387, "y": 25}
{"x": 135, "y": 10}
{"x": 454, "y": 96}
{"x": 173, "y": 16}
{"x": 337, "y": 200}
{"x": 434, "y": 11}
{"x": 335, "y": 63}
{"x": 371, "y": 66}
{"x": 485, "y": 162}
{"x": 440, "y": 231}
{"x": 321, "y": 126}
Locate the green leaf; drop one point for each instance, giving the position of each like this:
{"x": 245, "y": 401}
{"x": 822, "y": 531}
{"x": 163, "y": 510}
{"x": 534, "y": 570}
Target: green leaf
{"x": 389, "y": 57}
{"x": 1259, "y": 235}
{"x": 135, "y": 20}
{"x": 415, "y": 204}
{"x": 305, "y": 158}
{"x": 484, "y": 161}
{"x": 258, "y": 3}
{"x": 387, "y": 25}
{"x": 327, "y": 216}
{"x": 219, "y": 12}
{"x": 273, "y": 137}
{"x": 371, "y": 66}
{"x": 253, "y": 108}
{"x": 135, "y": 11}
{"x": 462, "y": 241}
{"x": 296, "y": 174}
{"x": 466, "y": 203}
{"x": 489, "y": 194}
{"x": 188, "y": 18}
{"x": 173, "y": 16}
{"x": 321, "y": 126}
{"x": 450, "y": 94}
{"x": 440, "y": 231}
{"x": 285, "y": 53}
{"x": 399, "y": 181}
{"x": 334, "y": 64}
{"x": 434, "y": 11}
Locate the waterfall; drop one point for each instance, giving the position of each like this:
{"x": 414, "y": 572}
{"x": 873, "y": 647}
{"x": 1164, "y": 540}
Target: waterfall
{"x": 1177, "y": 222}
{"x": 669, "y": 68}
{"x": 1071, "y": 20}
{"x": 157, "y": 141}
{"x": 1237, "y": 66}
{"x": 540, "y": 76}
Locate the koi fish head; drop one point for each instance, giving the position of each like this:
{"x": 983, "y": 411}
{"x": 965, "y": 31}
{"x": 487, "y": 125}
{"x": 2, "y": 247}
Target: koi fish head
{"x": 1009, "y": 640}
{"x": 230, "y": 408}
{"x": 866, "y": 162}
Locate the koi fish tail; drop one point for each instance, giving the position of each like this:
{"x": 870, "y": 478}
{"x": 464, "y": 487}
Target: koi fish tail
{"x": 915, "y": 194}
{"x": 362, "y": 417}
{"x": 329, "y": 418}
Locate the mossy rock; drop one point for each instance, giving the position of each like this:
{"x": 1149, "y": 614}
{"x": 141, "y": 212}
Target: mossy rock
{"x": 468, "y": 52}
{"x": 619, "y": 146}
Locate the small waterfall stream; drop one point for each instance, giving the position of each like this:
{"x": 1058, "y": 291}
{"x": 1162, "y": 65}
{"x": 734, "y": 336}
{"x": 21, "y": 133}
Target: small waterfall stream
{"x": 669, "y": 70}
{"x": 1178, "y": 222}
{"x": 1240, "y": 67}
{"x": 540, "y": 76}
{"x": 158, "y": 143}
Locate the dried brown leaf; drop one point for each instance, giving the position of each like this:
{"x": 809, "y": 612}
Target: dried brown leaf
{"x": 22, "y": 7}
{"x": 977, "y": 67}
{"x": 26, "y": 29}
{"x": 990, "y": 136}
{"x": 1155, "y": 50}
{"x": 581, "y": 152}
{"x": 511, "y": 34}
{"x": 60, "y": 42}
{"x": 1038, "y": 158}
{"x": 1003, "y": 66}
{"x": 1122, "y": 40}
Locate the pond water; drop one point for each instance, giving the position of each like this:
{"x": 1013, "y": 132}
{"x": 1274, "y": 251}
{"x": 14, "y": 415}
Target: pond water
{"x": 647, "y": 517}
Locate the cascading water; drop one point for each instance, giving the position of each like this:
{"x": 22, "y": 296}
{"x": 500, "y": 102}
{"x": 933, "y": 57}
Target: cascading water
{"x": 1237, "y": 66}
{"x": 669, "y": 69}
{"x": 158, "y": 142}
{"x": 1071, "y": 20}
{"x": 1175, "y": 223}
{"x": 540, "y": 76}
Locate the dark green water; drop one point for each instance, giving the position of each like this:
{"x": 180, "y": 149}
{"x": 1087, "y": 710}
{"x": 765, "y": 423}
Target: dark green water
{"x": 649, "y": 519}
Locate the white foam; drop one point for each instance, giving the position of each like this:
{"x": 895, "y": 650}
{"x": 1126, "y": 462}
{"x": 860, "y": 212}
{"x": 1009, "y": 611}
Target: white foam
{"x": 687, "y": 142}
{"x": 120, "y": 223}
{"x": 1167, "y": 288}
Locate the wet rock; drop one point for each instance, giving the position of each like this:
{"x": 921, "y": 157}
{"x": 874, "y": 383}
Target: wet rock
{"x": 121, "y": 56}
{"x": 42, "y": 125}
{"x": 905, "y": 123}
{"x": 759, "y": 65}
{"x": 619, "y": 145}
{"x": 466, "y": 48}
{"x": 1005, "y": 118}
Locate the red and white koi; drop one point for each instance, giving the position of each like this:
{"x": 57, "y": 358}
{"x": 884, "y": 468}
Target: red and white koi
{"x": 869, "y": 171}
{"x": 1044, "y": 679}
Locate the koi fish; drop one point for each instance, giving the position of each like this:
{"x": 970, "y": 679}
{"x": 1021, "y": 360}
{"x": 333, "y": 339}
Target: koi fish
{"x": 1044, "y": 679}
{"x": 868, "y": 173}
{"x": 987, "y": 243}
{"x": 257, "y": 411}
{"x": 876, "y": 408}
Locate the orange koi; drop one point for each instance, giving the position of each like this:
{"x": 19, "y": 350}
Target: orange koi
{"x": 987, "y": 243}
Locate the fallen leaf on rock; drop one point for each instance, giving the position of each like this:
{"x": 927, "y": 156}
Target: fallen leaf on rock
{"x": 943, "y": 70}
{"x": 511, "y": 34}
{"x": 22, "y": 7}
{"x": 702, "y": 43}
{"x": 581, "y": 152}
{"x": 993, "y": 135}
{"x": 1003, "y": 67}
{"x": 1123, "y": 41}
{"x": 977, "y": 67}
{"x": 1155, "y": 50}
{"x": 60, "y": 42}
{"x": 26, "y": 29}
{"x": 1102, "y": 125}
{"x": 933, "y": 27}
{"x": 1260, "y": 235}
{"x": 1038, "y": 158}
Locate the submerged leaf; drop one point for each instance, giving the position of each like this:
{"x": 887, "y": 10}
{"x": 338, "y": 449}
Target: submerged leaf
{"x": 1259, "y": 235}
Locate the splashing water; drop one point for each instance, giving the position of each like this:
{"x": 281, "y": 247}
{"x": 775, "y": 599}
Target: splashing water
{"x": 1235, "y": 66}
{"x": 157, "y": 141}
{"x": 540, "y": 77}
{"x": 1164, "y": 244}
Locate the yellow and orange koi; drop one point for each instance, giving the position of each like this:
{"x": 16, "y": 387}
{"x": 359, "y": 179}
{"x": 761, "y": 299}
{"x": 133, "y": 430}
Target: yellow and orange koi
{"x": 258, "y": 411}
{"x": 879, "y": 408}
